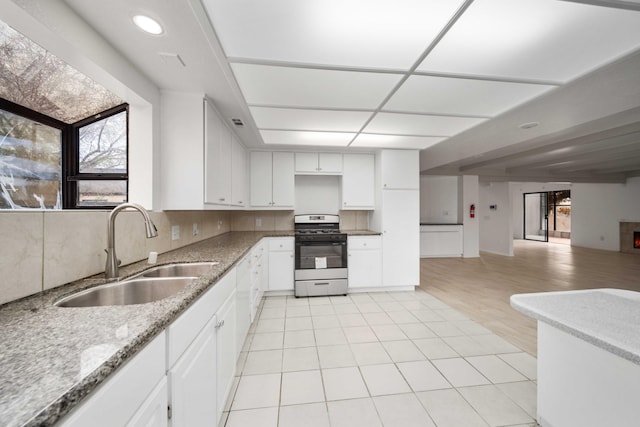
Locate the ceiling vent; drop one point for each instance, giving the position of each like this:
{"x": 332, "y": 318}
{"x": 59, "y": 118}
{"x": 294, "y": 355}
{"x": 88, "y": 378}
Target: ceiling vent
{"x": 172, "y": 59}
{"x": 237, "y": 122}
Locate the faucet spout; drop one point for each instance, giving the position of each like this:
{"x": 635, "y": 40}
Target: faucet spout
{"x": 112, "y": 264}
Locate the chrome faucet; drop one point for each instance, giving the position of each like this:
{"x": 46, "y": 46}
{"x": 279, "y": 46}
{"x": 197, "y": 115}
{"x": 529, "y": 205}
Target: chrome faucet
{"x": 111, "y": 268}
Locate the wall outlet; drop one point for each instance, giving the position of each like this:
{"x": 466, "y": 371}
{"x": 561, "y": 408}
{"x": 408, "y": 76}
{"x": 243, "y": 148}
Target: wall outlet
{"x": 175, "y": 232}
{"x": 195, "y": 229}
{"x": 219, "y": 224}
{"x": 258, "y": 222}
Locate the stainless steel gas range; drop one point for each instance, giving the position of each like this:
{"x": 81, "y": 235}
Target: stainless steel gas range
{"x": 321, "y": 256}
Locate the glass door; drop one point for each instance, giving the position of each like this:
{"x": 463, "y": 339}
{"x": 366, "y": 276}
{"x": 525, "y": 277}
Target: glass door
{"x": 536, "y": 217}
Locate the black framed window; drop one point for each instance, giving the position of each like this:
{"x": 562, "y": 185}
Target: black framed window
{"x": 98, "y": 170}
{"x": 48, "y": 164}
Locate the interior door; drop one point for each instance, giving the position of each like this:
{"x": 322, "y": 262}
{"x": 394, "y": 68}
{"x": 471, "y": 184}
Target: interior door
{"x": 536, "y": 217}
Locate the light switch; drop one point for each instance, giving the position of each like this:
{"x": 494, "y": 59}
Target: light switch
{"x": 175, "y": 232}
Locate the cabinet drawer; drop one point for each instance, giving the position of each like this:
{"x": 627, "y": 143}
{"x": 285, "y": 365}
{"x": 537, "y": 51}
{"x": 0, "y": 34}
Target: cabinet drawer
{"x": 281, "y": 244}
{"x": 364, "y": 242}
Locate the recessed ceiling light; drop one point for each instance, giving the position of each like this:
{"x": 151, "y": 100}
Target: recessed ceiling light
{"x": 148, "y": 25}
{"x": 529, "y": 125}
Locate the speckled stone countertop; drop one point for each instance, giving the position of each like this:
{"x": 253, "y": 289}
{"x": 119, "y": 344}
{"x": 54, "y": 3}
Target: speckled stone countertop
{"x": 606, "y": 318}
{"x": 361, "y": 232}
{"x": 52, "y": 357}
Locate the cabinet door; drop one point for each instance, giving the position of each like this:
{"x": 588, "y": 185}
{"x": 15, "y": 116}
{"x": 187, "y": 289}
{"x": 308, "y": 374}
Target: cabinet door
{"x": 218, "y": 159}
{"x": 306, "y": 162}
{"x": 283, "y": 180}
{"x": 153, "y": 412}
{"x": 261, "y": 178}
{"x": 365, "y": 269}
{"x": 281, "y": 264}
{"x": 401, "y": 238}
{"x": 243, "y": 300}
{"x": 358, "y": 181}
{"x": 329, "y": 162}
{"x": 226, "y": 347}
{"x": 238, "y": 173}
{"x": 400, "y": 169}
{"x": 192, "y": 382}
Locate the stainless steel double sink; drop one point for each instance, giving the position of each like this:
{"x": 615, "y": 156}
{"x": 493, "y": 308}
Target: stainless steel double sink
{"x": 151, "y": 285}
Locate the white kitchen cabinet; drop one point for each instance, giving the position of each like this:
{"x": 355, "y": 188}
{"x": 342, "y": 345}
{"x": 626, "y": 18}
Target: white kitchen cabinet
{"x": 124, "y": 394}
{"x": 400, "y": 169}
{"x": 401, "y": 238}
{"x": 318, "y": 163}
{"x": 217, "y": 147}
{"x": 281, "y": 263}
{"x": 154, "y": 411}
{"x": 192, "y": 381}
{"x": 238, "y": 174}
{"x": 441, "y": 241}
{"x": 226, "y": 348}
{"x": 365, "y": 261}
{"x": 358, "y": 182}
{"x": 272, "y": 179}
{"x": 244, "y": 300}
{"x": 258, "y": 277}
{"x": 192, "y": 130}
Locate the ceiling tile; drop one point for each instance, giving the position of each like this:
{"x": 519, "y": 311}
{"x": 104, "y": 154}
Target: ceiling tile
{"x": 314, "y": 120}
{"x": 420, "y": 125}
{"x": 327, "y": 139}
{"x": 534, "y": 39}
{"x": 359, "y": 33}
{"x": 395, "y": 141}
{"x": 304, "y": 87}
{"x": 443, "y": 95}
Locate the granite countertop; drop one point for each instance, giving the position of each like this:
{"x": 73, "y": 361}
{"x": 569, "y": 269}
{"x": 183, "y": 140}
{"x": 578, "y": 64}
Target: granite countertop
{"x": 361, "y": 232}
{"x": 606, "y": 318}
{"x": 52, "y": 357}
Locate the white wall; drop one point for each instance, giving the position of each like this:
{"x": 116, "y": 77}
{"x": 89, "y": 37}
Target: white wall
{"x": 495, "y": 225}
{"x": 597, "y": 209}
{"x": 439, "y": 199}
{"x": 468, "y": 194}
{"x": 319, "y": 194}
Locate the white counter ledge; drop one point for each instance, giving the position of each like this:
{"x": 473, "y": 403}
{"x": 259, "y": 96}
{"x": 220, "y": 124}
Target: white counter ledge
{"x": 606, "y": 318}
{"x": 588, "y": 356}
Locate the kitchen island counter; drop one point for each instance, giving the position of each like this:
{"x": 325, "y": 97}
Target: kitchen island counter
{"x": 588, "y": 356}
{"x": 52, "y": 357}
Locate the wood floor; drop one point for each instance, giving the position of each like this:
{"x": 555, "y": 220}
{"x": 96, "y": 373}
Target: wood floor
{"x": 481, "y": 287}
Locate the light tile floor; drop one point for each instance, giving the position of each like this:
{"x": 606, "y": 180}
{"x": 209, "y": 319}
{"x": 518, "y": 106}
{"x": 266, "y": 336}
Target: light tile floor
{"x": 377, "y": 359}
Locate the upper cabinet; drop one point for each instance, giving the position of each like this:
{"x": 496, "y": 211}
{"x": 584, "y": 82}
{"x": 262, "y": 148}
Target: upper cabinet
{"x": 318, "y": 163}
{"x": 358, "y": 178}
{"x": 272, "y": 179}
{"x": 400, "y": 169}
{"x": 203, "y": 164}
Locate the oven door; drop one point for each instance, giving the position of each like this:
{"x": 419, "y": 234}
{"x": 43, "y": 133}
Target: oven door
{"x": 320, "y": 255}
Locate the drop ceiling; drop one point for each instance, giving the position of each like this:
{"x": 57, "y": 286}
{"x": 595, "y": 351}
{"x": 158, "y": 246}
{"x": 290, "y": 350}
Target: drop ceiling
{"x": 453, "y": 78}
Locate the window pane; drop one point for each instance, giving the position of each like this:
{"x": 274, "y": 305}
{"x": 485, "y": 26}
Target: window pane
{"x": 30, "y": 163}
{"x": 103, "y": 145}
{"x": 101, "y": 193}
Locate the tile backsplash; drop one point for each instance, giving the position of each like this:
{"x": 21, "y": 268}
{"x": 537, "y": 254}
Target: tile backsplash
{"x": 44, "y": 249}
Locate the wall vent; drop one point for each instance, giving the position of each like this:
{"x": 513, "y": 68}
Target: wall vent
{"x": 237, "y": 122}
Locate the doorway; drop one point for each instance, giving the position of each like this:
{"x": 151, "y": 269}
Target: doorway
{"x": 547, "y": 216}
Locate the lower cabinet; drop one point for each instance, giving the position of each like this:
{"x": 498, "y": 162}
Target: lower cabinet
{"x": 365, "y": 261}
{"x": 227, "y": 351}
{"x": 192, "y": 385}
{"x": 244, "y": 297}
{"x": 122, "y": 399}
{"x": 281, "y": 263}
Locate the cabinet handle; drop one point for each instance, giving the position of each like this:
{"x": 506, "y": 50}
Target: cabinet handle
{"x": 222, "y": 199}
{"x": 220, "y": 324}
{"x": 240, "y": 202}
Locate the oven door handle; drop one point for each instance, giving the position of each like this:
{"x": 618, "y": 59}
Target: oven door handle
{"x": 321, "y": 283}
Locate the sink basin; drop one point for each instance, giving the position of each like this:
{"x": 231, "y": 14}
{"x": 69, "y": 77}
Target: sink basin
{"x": 134, "y": 291}
{"x": 193, "y": 269}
